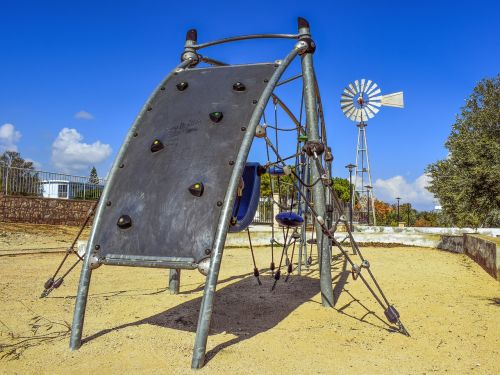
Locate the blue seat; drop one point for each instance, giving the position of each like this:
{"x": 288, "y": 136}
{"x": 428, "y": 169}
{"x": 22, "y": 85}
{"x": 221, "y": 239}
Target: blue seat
{"x": 249, "y": 200}
{"x": 289, "y": 219}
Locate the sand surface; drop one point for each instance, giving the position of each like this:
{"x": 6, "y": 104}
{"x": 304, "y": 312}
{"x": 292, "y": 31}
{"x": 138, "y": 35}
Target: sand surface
{"x": 133, "y": 325}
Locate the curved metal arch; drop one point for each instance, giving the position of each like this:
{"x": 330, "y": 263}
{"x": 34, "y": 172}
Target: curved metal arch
{"x": 243, "y": 37}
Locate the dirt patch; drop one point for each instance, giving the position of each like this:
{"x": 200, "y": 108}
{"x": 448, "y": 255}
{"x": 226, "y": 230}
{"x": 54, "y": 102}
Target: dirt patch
{"x": 447, "y": 302}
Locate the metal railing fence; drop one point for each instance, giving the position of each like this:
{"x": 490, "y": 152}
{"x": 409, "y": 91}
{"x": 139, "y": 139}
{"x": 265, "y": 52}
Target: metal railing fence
{"x": 30, "y": 182}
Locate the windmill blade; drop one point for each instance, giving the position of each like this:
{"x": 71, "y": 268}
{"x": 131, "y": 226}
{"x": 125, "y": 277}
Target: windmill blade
{"x": 356, "y": 82}
{"x": 362, "y": 85}
{"x": 367, "y": 85}
{"x": 348, "y": 93}
{"x": 353, "y": 89}
{"x": 353, "y": 115}
{"x": 369, "y": 112}
{"x": 375, "y": 103}
{"x": 372, "y": 108}
{"x": 346, "y": 107}
{"x": 345, "y": 97}
{"x": 350, "y": 112}
{"x": 393, "y": 100}
{"x": 372, "y": 88}
{"x": 376, "y": 99}
{"x": 376, "y": 92}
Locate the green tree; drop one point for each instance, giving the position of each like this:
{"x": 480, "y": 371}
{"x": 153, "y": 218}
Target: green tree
{"x": 467, "y": 182}
{"x": 93, "y": 178}
{"x": 341, "y": 187}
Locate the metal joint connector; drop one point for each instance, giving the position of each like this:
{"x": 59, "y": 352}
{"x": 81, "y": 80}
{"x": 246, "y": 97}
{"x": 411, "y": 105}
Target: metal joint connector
{"x": 307, "y": 45}
{"x": 190, "y": 55}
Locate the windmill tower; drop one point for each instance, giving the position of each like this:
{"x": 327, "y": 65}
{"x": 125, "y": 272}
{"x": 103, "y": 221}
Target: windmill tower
{"x": 360, "y": 102}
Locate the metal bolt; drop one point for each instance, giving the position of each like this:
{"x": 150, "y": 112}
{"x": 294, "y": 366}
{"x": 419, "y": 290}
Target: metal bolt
{"x": 150, "y": 108}
{"x": 108, "y": 203}
{"x": 121, "y": 165}
{"x": 238, "y": 86}
{"x": 266, "y": 80}
{"x": 243, "y": 128}
{"x": 181, "y": 86}
{"x": 208, "y": 251}
{"x": 254, "y": 101}
{"x": 97, "y": 247}
{"x": 219, "y": 203}
{"x": 136, "y": 134}
{"x": 162, "y": 88}
{"x": 231, "y": 162}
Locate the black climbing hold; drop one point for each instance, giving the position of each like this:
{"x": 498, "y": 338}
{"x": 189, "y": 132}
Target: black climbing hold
{"x": 156, "y": 146}
{"x": 238, "y": 86}
{"x": 48, "y": 283}
{"x": 197, "y": 189}
{"x": 392, "y": 314}
{"x": 181, "y": 86}
{"x": 216, "y": 116}
{"x": 58, "y": 283}
{"x": 277, "y": 275}
{"x": 124, "y": 222}
{"x": 271, "y": 267}
{"x": 289, "y": 219}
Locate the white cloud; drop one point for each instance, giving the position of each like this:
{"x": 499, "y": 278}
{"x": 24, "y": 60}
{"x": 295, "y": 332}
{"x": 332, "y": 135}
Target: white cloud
{"x": 70, "y": 154}
{"x": 8, "y": 138}
{"x": 84, "y": 115}
{"x": 412, "y": 192}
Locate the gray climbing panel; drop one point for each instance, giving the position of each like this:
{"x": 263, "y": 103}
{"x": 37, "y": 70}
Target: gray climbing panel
{"x": 163, "y": 201}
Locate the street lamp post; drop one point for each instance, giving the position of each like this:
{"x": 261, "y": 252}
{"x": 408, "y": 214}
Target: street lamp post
{"x": 351, "y": 201}
{"x": 409, "y": 206}
{"x": 398, "y": 198}
{"x": 369, "y": 189}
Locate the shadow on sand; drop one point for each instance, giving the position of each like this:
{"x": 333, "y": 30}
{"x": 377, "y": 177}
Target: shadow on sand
{"x": 242, "y": 309}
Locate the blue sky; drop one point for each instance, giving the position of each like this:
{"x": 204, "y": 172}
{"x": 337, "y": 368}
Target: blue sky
{"x": 74, "y": 74}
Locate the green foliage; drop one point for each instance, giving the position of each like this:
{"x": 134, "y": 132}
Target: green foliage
{"x": 284, "y": 186}
{"x": 14, "y": 159}
{"x": 341, "y": 187}
{"x": 467, "y": 182}
{"x": 93, "y": 178}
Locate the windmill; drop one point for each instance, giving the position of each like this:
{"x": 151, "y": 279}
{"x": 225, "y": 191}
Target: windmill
{"x": 360, "y": 102}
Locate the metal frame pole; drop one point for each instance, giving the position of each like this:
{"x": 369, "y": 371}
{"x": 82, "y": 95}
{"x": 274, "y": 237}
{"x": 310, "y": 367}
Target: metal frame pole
{"x": 318, "y": 189}
{"x": 207, "y": 302}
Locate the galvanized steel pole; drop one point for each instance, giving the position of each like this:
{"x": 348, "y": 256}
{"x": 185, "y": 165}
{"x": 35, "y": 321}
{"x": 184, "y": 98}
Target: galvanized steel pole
{"x": 325, "y": 250}
{"x": 226, "y": 211}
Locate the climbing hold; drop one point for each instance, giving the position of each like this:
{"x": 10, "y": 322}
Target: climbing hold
{"x": 181, "y": 86}
{"x": 157, "y": 145}
{"x": 392, "y": 314}
{"x": 289, "y": 219}
{"x": 124, "y": 222}
{"x": 197, "y": 189}
{"x": 238, "y": 86}
{"x": 216, "y": 116}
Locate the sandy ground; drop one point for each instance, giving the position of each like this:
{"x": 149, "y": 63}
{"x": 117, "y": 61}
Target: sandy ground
{"x": 133, "y": 325}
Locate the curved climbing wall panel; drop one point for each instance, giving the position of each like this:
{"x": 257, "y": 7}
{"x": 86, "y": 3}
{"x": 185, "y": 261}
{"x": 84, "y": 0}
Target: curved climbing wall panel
{"x": 164, "y": 198}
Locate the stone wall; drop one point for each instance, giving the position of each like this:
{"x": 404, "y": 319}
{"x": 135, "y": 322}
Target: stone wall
{"x": 453, "y": 243}
{"x": 486, "y": 253}
{"x": 35, "y": 210}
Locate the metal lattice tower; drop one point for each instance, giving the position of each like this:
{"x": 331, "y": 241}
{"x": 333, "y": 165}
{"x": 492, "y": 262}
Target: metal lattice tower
{"x": 359, "y": 102}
